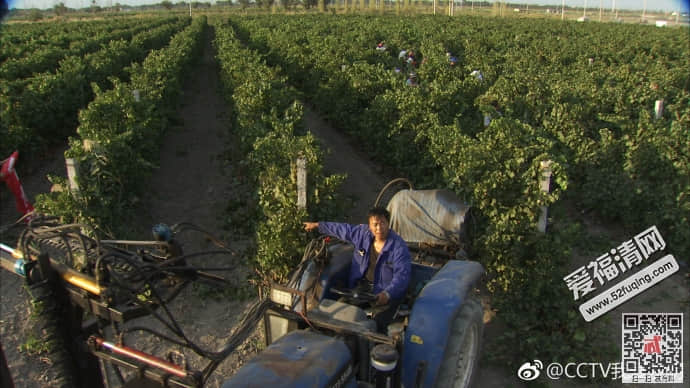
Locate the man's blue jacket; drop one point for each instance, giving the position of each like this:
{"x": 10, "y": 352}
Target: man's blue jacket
{"x": 393, "y": 268}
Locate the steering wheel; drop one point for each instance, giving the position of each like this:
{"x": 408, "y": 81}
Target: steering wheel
{"x": 355, "y": 296}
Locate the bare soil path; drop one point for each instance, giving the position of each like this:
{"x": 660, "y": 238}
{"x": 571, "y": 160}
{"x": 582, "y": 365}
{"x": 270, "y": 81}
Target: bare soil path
{"x": 193, "y": 181}
{"x": 364, "y": 178}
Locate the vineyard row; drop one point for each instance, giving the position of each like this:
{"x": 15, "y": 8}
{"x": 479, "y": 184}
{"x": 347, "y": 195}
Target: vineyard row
{"x": 42, "y": 110}
{"x": 118, "y": 134}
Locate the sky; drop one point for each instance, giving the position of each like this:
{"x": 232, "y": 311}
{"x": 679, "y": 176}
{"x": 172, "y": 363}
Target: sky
{"x": 652, "y": 5}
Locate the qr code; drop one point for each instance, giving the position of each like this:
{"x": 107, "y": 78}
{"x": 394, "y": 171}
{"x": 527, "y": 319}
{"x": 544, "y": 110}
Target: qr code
{"x": 652, "y": 348}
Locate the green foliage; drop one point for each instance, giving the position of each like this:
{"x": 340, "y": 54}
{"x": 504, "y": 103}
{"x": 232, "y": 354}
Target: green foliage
{"x": 60, "y": 9}
{"x": 267, "y": 121}
{"x": 540, "y": 316}
{"x": 29, "y": 51}
{"x": 36, "y": 346}
{"x": 35, "y": 15}
{"x": 42, "y": 109}
{"x": 117, "y": 134}
{"x": 545, "y": 98}
{"x": 546, "y": 101}
{"x": 244, "y": 4}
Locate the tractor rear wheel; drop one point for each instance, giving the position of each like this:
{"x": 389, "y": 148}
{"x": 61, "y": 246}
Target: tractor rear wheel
{"x": 460, "y": 364}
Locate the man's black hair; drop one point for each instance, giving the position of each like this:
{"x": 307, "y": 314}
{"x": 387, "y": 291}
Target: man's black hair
{"x": 379, "y": 211}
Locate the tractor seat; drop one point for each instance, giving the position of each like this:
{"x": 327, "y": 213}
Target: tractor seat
{"x": 340, "y": 312}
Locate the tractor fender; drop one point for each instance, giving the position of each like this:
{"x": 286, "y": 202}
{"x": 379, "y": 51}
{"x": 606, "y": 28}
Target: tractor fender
{"x": 431, "y": 317}
{"x": 298, "y": 359}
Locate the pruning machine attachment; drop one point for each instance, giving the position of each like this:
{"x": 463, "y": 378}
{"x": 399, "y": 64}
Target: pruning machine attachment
{"x": 89, "y": 288}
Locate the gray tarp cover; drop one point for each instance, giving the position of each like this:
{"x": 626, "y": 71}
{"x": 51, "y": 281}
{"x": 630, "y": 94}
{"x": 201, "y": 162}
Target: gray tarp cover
{"x": 428, "y": 216}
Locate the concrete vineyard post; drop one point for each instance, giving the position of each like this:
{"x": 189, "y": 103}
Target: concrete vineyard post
{"x": 544, "y": 184}
{"x": 658, "y": 109}
{"x": 301, "y": 182}
{"x": 71, "y": 166}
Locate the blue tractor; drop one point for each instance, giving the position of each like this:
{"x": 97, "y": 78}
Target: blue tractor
{"x": 319, "y": 336}
{"x": 317, "y": 332}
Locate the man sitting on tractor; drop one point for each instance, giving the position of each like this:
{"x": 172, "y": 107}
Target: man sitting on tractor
{"x": 381, "y": 261}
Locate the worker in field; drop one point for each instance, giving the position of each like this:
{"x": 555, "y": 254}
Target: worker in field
{"x": 411, "y": 59}
{"x": 381, "y": 46}
{"x": 412, "y": 80}
{"x": 452, "y": 60}
{"x": 381, "y": 262}
{"x": 478, "y": 75}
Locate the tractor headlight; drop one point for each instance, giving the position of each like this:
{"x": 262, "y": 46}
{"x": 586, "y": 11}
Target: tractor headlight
{"x": 281, "y": 297}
